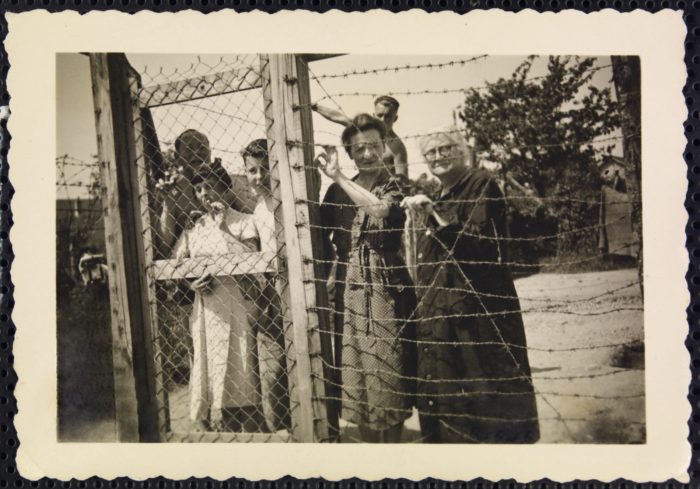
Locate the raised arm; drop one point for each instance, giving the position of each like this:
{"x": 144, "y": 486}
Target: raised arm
{"x": 332, "y": 115}
{"x": 166, "y": 230}
{"x": 370, "y": 203}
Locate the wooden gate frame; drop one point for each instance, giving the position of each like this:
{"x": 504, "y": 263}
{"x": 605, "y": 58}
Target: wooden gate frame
{"x": 139, "y": 391}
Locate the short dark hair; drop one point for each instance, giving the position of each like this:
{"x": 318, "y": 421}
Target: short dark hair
{"x": 189, "y": 133}
{"x": 361, "y": 123}
{"x": 387, "y": 100}
{"x": 256, "y": 148}
{"x": 214, "y": 170}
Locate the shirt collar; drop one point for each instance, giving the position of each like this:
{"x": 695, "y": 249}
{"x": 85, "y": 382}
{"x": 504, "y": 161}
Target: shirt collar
{"x": 454, "y": 188}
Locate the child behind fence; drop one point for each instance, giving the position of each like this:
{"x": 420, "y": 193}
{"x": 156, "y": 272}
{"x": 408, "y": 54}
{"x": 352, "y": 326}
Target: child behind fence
{"x": 224, "y": 381}
{"x": 273, "y": 373}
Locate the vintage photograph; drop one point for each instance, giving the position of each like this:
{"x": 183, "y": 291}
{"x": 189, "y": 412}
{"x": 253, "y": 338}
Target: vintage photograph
{"x": 349, "y": 248}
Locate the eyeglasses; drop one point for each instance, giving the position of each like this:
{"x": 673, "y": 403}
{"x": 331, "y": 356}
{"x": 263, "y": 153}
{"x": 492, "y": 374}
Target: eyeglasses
{"x": 440, "y": 152}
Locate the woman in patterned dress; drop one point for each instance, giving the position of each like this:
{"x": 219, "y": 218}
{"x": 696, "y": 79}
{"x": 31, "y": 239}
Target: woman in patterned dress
{"x": 373, "y": 294}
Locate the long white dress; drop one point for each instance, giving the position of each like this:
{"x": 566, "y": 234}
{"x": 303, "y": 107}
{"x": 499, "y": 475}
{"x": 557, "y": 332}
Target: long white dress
{"x": 225, "y": 367}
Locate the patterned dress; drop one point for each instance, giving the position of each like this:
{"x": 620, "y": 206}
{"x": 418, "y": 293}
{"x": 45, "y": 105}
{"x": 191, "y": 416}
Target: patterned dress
{"x": 474, "y": 381}
{"x": 373, "y": 301}
{"x": 225, "y": 364}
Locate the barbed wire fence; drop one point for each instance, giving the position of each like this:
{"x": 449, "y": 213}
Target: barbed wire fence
{"x": 269, "y": 279}
{"x": 78, "y": 211}
{"x": 606, "y": 302}
{"x": 82, "y": 303}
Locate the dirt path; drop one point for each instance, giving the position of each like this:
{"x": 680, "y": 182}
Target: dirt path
{"x": 570, "y": 311}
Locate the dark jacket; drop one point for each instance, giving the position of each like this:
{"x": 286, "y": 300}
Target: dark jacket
{"x": 473, "y": 369}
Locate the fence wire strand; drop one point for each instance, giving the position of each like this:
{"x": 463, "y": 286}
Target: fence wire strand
{"x": 224, "y": 343}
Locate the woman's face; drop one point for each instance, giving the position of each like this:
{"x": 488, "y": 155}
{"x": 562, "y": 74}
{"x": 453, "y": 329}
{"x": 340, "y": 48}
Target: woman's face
{"x": 210, "y": 191}
{"x": 367, "y": 150}
{"x": 257, "y": 174}
{"x": 445, "y": 158}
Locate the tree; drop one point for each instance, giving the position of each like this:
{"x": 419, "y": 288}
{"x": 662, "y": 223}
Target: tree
{"x": 540, "y": 130}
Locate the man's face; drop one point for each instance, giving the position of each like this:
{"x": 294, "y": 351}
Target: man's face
{"x": 257, "y": 173}
{"x": 385, "y": 113}
{"x": 194, "y": 152}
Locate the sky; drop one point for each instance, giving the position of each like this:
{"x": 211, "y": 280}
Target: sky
{"x": 231, "y": 121}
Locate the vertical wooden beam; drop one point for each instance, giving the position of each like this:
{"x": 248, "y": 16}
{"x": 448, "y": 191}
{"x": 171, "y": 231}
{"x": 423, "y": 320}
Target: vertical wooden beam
{"x": 313, "y": 187}
{"x": 126, "y": 413}
{"x": 134, "y": 399}
{"x": 146, "y": 160}
{"x": 627, "y": 77}
{"x": 282, "y": 277}
{"x": 291, "y": 159}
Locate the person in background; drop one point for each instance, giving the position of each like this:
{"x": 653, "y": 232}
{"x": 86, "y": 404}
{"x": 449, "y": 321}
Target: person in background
{"x": 474, "y": 380}
{"x": 179, "y": 206}
{"x": 270, "y": 336}
{"x": 386, "y": 109}
{"x": 224, "y": 380}
{"x": 93, "y": 268}
{"x": 373, "y": 295}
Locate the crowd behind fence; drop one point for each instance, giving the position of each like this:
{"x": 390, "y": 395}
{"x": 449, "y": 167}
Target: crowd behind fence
{"x": 234, "y": 227}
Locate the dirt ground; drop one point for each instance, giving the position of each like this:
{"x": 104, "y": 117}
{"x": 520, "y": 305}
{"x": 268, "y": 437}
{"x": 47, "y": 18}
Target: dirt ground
{"x": 587, "y": 310}
{"x": 590, "y": 387}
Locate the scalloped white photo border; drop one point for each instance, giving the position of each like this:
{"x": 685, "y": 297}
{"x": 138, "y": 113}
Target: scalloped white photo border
{"x": 34, "y": 39}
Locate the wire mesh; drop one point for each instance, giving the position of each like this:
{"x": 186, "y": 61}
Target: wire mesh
{"x": 426, "y": 322}
{"x": 211, "y": 215}
{"x": 428, "y": 329}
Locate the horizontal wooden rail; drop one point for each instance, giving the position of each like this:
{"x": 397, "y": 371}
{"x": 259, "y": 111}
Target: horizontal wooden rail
{"x": 200, "y": 87}
{"x": 217, "y": 266}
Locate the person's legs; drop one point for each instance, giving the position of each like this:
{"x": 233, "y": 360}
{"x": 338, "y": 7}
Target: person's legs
{"x": 252, "y": 420}
{"x": 391, "y": 435}
{"x": 244, "y": 419}
{"x": 368, "y": 435}
{"x": 275, "y": 401}
{"x": 230, "y": 420}
{"x": 430, "y": 428}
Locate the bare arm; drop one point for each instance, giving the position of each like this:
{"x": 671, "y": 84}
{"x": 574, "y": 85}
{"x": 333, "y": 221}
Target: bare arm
{"x": 166, "y": 229}
{"x": 370, "y": 203}
{"x": 332, "y": 115}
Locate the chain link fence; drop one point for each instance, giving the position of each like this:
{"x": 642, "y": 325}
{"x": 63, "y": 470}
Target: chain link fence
{"x": 211, "y": 208}
{"x": 275, "y": 308}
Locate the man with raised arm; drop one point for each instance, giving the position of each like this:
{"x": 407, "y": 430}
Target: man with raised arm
{"x": 386, "y": 109}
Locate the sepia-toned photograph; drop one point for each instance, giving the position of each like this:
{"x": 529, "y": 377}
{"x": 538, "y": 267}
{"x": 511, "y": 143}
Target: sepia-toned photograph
{"x": 349, "y": 248}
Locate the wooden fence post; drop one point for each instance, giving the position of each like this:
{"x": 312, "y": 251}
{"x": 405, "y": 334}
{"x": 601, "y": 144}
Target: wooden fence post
{"x": 627, "y": 79}
{"x": 286, "y": 89}
{"x": 136, "y": 414}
